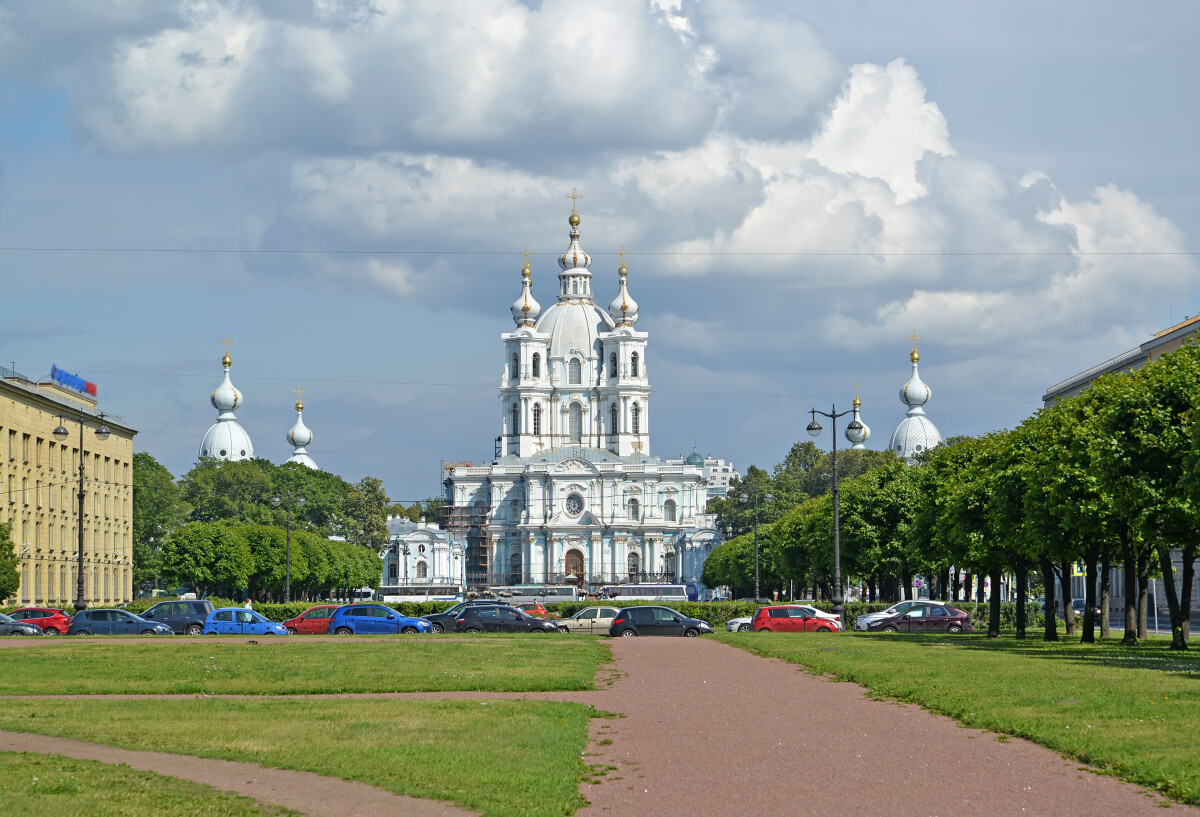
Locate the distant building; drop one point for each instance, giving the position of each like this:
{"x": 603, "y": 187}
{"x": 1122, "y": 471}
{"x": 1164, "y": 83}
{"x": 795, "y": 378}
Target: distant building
{"x": 226, "y": 439}
{"x": 420, "y": 554}
{"x": 41, "y": 504}
{"x": 916, "y": 432}
{"x": 299, "y": 436}
{"x": 1168, "y": 340}
{"x": 717, "y": 472}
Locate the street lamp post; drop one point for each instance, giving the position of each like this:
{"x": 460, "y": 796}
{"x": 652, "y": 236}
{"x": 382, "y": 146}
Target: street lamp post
{"x": 406, "y": 552}
{"x": 61, "y": 434}
{"x": 746, "y": 494}
{"x": 277, "y": 501}
{"x": 814, "y": 429}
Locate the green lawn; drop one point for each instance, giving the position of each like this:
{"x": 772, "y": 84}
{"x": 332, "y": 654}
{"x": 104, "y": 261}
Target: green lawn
{"x": 34, "y": 785}
{"x": 298, "y": 666}
{"x": 498, "y": 757}
{"x": 1134, "y": 712}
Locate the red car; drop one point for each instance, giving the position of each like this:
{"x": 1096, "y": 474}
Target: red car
{"x": 533, "y": 608}
{"x": 51, "y": 620}
{"x": 785, "y": 618}
{"x": 313, "y": 620}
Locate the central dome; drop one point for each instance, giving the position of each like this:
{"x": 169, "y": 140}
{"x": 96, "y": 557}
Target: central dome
{"x": 574, "y": 325}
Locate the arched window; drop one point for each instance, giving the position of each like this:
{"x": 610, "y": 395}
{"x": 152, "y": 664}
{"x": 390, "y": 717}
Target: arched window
{"x": 514, "y": 568}
{"x": 636, "y": 416}
{"x": 575, "y": 372}
{"x": 515, "y": 428}
{"x": 669, "y": 510}
{"x": 537, "y": 418}
{"x": 633, "y": 365}
{"x": 631, "y": 508}
{"x": 422, "y": 571}
{"x": 576, "y": 423}
{"x": 516, "y": 365}
{"x": 634, "y": 565}
{"x": 574, "y": 286}
{"x": 612, "y": 419}
{"x": 612, "y": 365}
{"x": 537, "y": 365}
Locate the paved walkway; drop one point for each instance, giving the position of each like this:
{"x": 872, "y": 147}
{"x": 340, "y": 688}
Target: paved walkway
{"x": 712, "y": 730}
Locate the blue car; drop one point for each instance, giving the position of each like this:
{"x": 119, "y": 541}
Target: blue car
{"x": 239, "y": 621}
{"x": 359, "y": 619}
{"x": 114, "y": 622}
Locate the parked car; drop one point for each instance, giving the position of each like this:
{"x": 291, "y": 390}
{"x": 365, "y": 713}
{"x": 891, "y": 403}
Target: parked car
{"x": 183, "y": 617}
{"x": 925, "y": 618}
{"x": 443, "y": 622}
{"x": 784, "y": 618}
{"x": 362, "y": 619}
{"x": 240, "y": 621}
{"x": 652, "y": 620}
{"x": 114, "y": 622}
{"x": 11, "y": 626}
{"x": 863, "y": 622}
{"x": 589, "y": 620}
{"x": 533, "y": 608}
{"x": 311, "y": 621}
{"x": 742, "y": 624}
{"x": 481, "y": 619}
{"x": 51, "y": 620}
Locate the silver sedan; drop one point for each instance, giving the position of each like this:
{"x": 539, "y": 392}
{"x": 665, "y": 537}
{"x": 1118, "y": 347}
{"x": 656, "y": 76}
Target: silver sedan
{"x": 589, "y": 620}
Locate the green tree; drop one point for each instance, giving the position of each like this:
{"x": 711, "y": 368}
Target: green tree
{"x": 208, "y": 556}
{"x": 10, "y": 577}
{"x": 158, "y": 508}
{"x": 365, "y": 514}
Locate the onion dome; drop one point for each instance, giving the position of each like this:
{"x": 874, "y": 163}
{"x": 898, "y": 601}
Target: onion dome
{"x": 575, "y": 280}
{"x": 299, "y": 436}
{"x": 226, "y": 439}
{"x": 623, "y": 309}
{"x": 857, "y": 432}
{"x": 916, "y": 433}
{"x": 526, "y": 309}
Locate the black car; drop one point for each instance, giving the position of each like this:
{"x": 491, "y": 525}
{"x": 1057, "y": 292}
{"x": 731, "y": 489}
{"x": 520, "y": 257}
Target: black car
{"x": 443, "y": 622}
{"x": 10, "y": 626}
{"x": 114, "y": 622}
{"x": 183, "y": 617}
{"x": 496, "y": 619}
{"x": 649, "y": 620}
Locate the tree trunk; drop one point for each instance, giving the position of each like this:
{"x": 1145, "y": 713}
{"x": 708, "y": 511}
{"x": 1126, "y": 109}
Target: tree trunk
{"x": 1089, "y": 596}
{"x": 1068, "y": 608}
{"x": 954, "y": 584}
{"x": 1173, "y": 600}
{"x": 1129, "y": 554}
{"x": 906, "y": 581}
{"x": 1143, "y": 579}
{"x": 1021, "y": 570}
{"x": 994, "y": 606}
{"x": 1105, "y": 593}
{"x": 1185, "y": 599}
{"x": 1048, "y": 581}
{"x": 980, "y": 595}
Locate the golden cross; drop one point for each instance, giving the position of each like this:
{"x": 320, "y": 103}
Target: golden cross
{"x": 856, "y": 385}
{"x": 914, "y": 337}
{"x": 227, "y": 342}
{"x": 574, "y": 197}
{"x": 527, "y": 256}
{"x": 622, "y": 255}
{"x": 298, "y": 391}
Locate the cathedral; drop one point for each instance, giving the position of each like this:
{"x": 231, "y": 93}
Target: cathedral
{"x": 573, "y": 495}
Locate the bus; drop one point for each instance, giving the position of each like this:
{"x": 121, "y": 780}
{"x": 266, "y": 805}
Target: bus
{"x": 651, "y": 592}
{"x": 394, "y": 594}
{"x": 544, "y": 593}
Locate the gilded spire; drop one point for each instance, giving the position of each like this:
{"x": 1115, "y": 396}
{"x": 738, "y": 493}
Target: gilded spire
{"x": 227, "y": 361}
{"x": 574, "y": 197}
{"x": 915, "y": 355}
{"x": 299, "y": 404}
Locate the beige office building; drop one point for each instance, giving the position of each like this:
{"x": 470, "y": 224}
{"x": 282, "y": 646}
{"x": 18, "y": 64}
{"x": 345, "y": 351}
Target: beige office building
{"x": 40, "y": 477}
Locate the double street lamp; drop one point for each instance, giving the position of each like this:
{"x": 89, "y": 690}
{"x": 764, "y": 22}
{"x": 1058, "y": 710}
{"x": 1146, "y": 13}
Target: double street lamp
{"x": 60, "y": 433}
{"x": 291, "y": 499}
{"x": 814, "y": 429}
{"x": 746, "y": 494}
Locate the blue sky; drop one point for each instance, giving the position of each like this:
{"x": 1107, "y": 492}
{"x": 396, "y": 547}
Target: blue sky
{"x": 800, "y": 185}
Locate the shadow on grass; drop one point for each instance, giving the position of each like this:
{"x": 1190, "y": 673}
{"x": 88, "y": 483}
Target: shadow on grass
{"x": 1154, "y": 654}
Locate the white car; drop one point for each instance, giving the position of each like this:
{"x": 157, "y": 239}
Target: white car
{"x": 865, "y": 619}
{"x": 589, "y": 620}
{"x": 742, "y": 625}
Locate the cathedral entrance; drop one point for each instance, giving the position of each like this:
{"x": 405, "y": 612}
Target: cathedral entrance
{"x": 574, "y": 567}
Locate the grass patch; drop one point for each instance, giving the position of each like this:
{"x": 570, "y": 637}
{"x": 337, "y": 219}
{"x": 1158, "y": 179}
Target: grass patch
{"x": 297, "y": 666}
{"x": 498, "y": 757}
{"x": 35, "y": 785}
{"x": 1132, "y": 712}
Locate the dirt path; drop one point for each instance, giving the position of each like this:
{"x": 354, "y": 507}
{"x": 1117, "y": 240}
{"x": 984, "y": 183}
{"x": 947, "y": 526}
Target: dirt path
{"x": 310, "y": 793}
{"x": 712, "y": 730}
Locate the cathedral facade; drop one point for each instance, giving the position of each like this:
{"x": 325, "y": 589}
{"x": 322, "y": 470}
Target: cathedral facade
{"x": 574, "y": 495}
